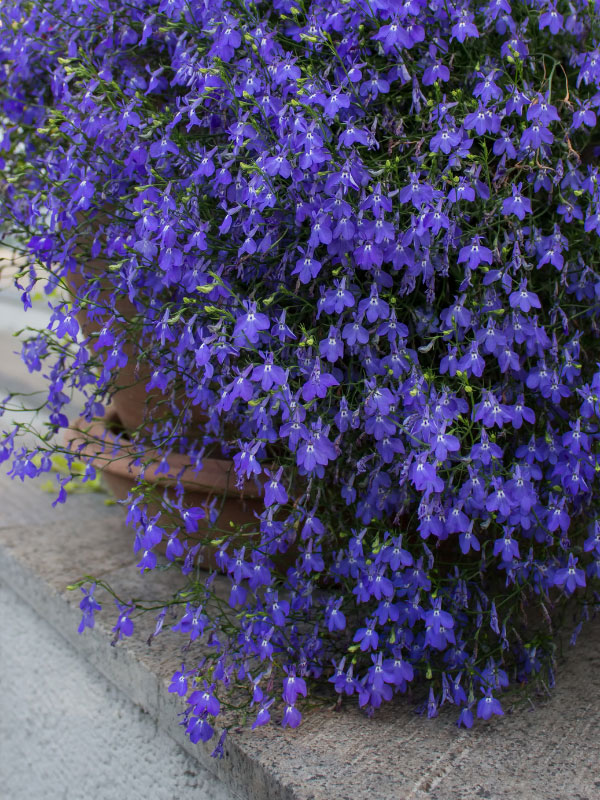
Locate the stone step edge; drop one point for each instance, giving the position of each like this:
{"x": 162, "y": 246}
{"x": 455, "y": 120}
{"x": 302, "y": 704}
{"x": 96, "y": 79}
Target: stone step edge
{"x": 244, "y": 777}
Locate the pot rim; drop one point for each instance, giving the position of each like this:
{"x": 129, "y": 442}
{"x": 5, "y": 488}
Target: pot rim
{"x": 95, "y": 441}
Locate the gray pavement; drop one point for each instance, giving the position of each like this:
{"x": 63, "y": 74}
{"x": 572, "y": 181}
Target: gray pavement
{"x": 66, "y": 732}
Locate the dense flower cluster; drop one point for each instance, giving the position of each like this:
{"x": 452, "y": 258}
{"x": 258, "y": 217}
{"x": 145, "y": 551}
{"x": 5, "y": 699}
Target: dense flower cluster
{"x": 361, "y": 237}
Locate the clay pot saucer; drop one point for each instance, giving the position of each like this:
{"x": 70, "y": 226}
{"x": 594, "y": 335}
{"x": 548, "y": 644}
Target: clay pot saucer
{"x": 115, "y": 456}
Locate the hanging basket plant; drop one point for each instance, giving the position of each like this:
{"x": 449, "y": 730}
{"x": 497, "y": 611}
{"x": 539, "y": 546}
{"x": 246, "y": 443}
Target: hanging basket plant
{"x": 358, "y": 246}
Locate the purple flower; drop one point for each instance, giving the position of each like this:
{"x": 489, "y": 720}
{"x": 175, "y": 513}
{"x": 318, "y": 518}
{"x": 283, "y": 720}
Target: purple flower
{"x": 249, "y": 325}
{"x": 332, "y": 347}
{"x": 536, "y": 135}
{"x": 269, "y": 374}
{"x": 484, "y": 120}
{"x": 518, "y": 205}
{"x": 542, "y": 110}
{"x": 274, "y": 491}
{"x": 281, "y": 330}
{"x": 436, "y": 72}
{"x": 443, "y": 444}
{"x": 124, "y": 625}
{"x": 148, "y": 560}
{"x": 293, "y": 686}
{"x": 318, "y": 383}
{"x": 219, "y": 751}
{"x": 425, "y": 477}
{"x": 584, "y": 116}
{"x": 179, "y": 682}
{"x": 67, "y": 324}
{"x": 88, "y": 606}
{"x": 416, "y": 193}
{"x": 336, "y": 619}
{"x": 162, "y": 147}
{"x": 339, "y": 299}
{"x": 335, "y": 101}
{"x": 465, "y": 27}
{"x": 199, "y": 729}
{"x": 552, "y": 20}
{"x": 368, "y": 637}
{"x": 475, "y": 254}
{"x": 291, "y": 717}
{"x": 354, "y": 332}
{"x": 263, "y": 716}
{"x": 489, "y": 706}
{"x": 465, "y": 718}
{"x": 445, "y": 140}
{"x": 524, "y": 299}
{"x": 436, "y": 618}
{"x": 374, "y": 308}
{"x": 245, "y": 460}
{"x": 472, "y": 363}
{"x": 312, "y": 561}
{"x": 506, "y": 547}
{"x": 570, "y": 577}
{"x": 204, "y": 701}
{"x": 307, "y": 269}
{"x": 468, "y": 541}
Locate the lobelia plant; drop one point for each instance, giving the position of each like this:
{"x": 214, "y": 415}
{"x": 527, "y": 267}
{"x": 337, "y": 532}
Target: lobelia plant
{"x": 360, "y": 237}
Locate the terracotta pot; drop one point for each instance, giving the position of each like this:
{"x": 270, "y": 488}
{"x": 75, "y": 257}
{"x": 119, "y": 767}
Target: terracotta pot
{"x": 114, "y": 455}
{"x": 136, "y": 407}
